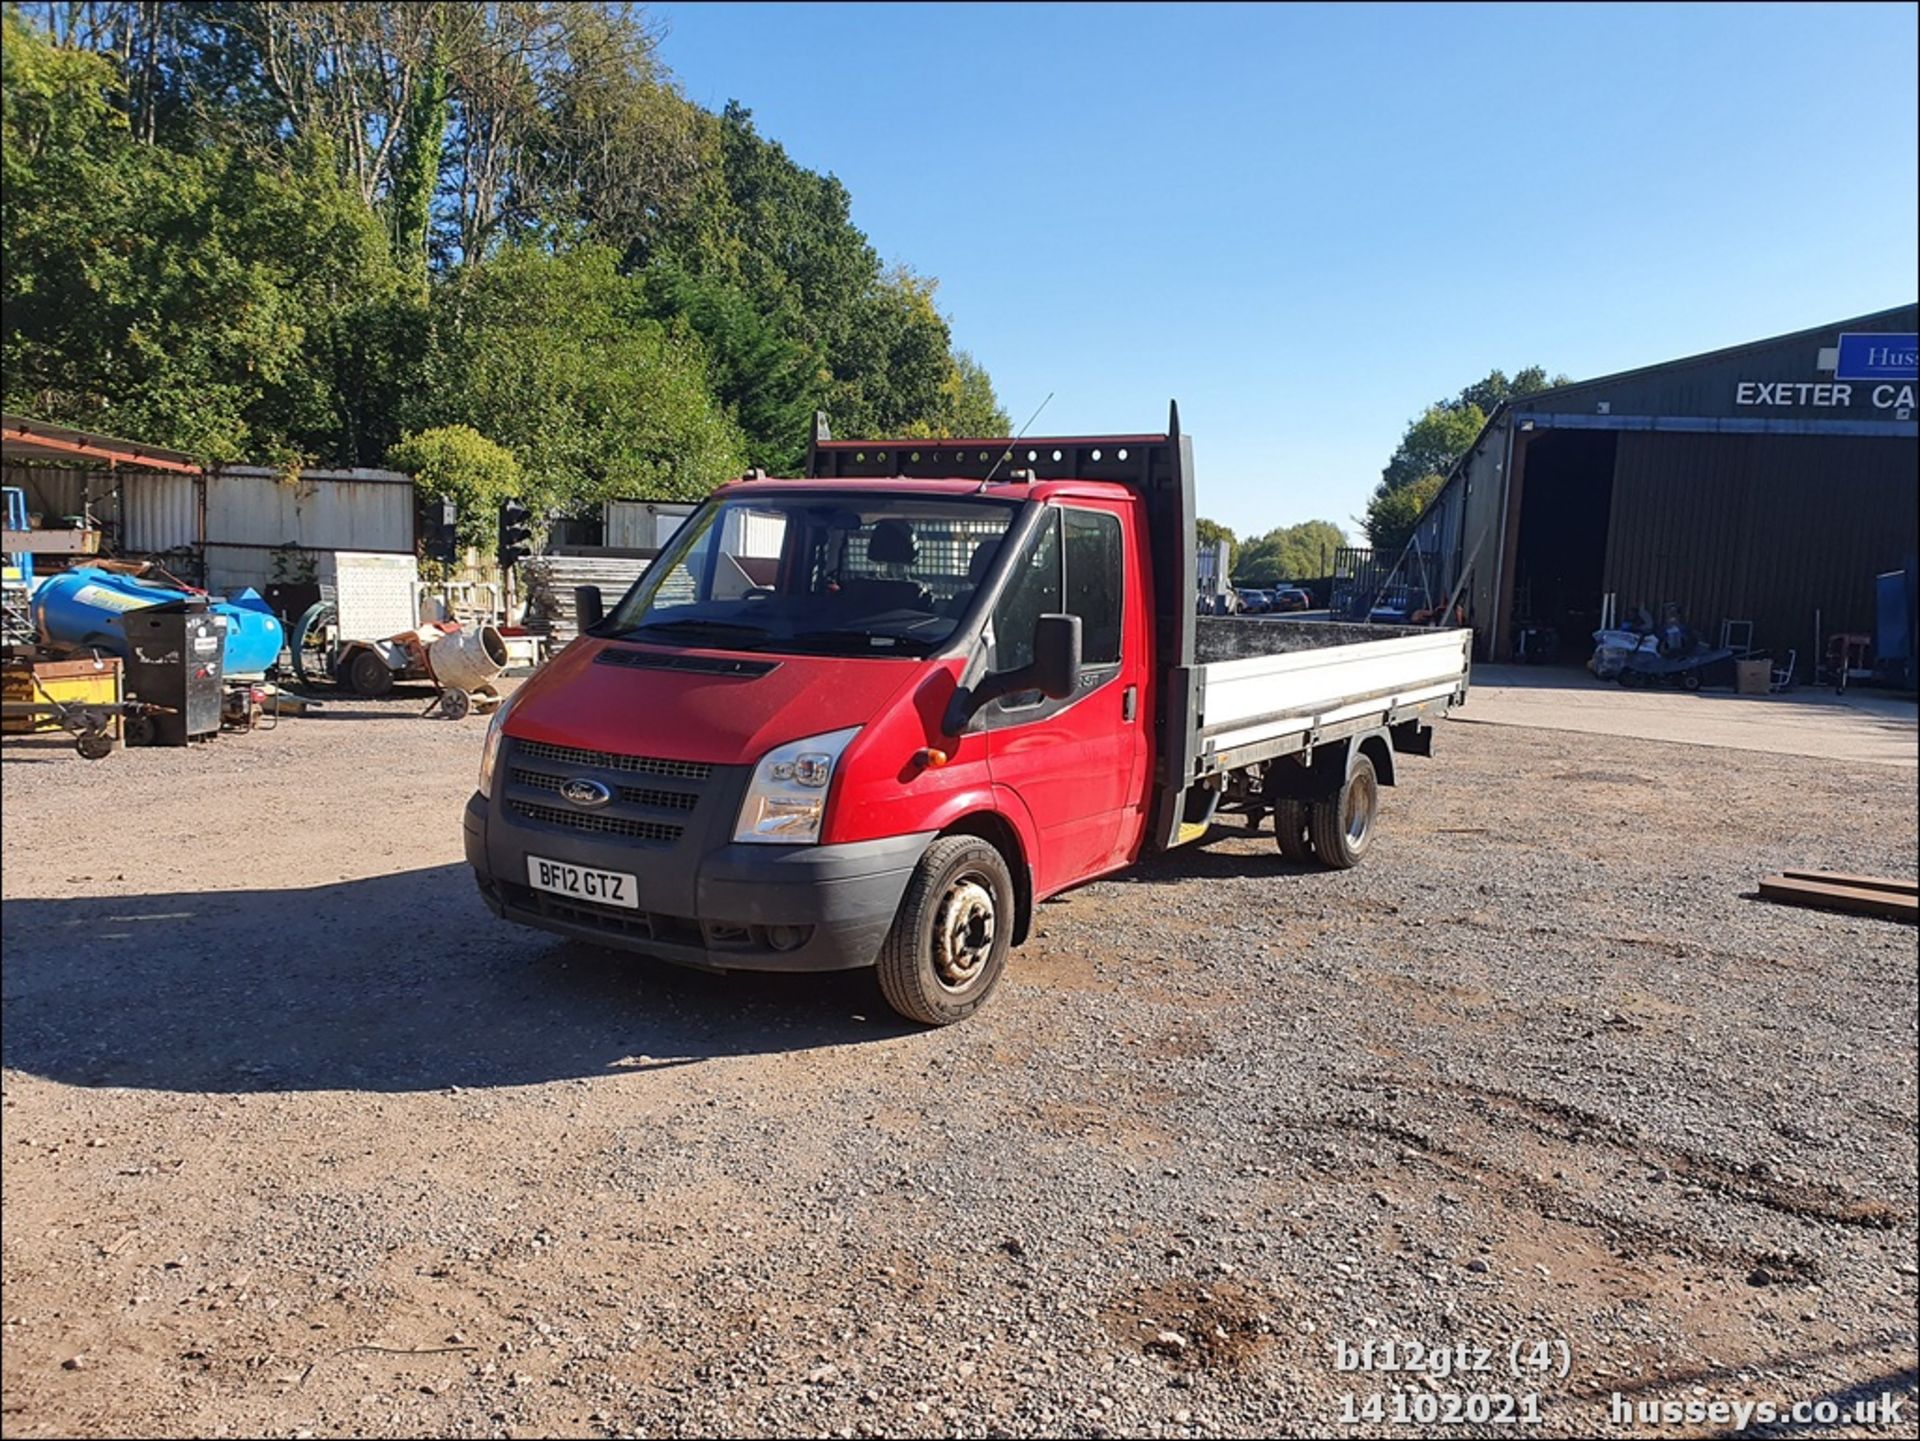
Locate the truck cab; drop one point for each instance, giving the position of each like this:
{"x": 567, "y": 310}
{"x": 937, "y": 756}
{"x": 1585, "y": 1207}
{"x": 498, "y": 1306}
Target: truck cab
{"x": 870, "y": 716}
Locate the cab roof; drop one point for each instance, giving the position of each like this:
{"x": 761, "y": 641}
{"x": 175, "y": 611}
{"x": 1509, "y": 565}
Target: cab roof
{"x": 955, "y": 486}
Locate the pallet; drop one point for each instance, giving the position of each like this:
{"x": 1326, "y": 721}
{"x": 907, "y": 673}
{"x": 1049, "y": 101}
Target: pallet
{"x": 1893, "y": 900}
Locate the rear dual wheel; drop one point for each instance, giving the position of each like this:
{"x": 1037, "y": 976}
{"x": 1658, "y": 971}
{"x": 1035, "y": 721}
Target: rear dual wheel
{"x": 1338, "y": 831}
{"x": 1342, "y": 827}
{"x": 1290, "y": 830}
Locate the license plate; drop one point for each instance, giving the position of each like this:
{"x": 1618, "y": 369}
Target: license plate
{"x": 583, "y": 883}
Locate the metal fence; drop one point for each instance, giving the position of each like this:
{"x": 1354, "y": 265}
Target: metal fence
{"x": 1395, "y": 585}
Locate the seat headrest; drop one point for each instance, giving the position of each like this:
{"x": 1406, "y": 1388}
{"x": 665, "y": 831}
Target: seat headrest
{"x": 892, "y": 543}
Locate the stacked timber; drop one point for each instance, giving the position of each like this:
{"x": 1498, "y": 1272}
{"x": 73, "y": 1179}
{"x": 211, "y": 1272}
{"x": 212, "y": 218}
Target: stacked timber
{"x": 548, "y": 582}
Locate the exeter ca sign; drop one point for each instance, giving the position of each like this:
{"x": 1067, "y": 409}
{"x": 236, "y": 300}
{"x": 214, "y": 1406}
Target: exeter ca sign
{"x": 1870, "y": 371}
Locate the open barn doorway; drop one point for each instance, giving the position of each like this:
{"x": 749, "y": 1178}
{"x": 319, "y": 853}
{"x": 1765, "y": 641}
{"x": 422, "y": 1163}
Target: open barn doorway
{"x": 1566, "y": 504}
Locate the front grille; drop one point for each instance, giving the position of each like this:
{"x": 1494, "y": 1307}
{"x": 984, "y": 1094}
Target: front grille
{"x": 604, "y": 825}
{"x": 633, "y": 795}
{"x": 640, "y": 925}
{"x": 607, "y": 760}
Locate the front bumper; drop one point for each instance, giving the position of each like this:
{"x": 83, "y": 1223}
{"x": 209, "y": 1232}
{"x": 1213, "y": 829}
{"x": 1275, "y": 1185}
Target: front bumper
{"x": 720, "y": 906}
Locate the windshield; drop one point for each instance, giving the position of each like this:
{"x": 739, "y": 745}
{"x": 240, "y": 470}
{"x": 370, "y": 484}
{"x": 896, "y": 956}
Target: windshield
{"x": 848, "y": 575}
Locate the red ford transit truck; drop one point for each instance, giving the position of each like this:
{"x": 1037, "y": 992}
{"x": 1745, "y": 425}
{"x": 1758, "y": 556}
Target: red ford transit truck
{"x": 875, "y": 715}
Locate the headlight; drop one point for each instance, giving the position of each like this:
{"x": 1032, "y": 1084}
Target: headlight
{"x": 490, "y": 747}
{"x": 788, "y": 797}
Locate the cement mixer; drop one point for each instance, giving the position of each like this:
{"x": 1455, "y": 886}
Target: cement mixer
{"x": 461, "y": 662}
{"x": 82, "y": 608}
{"x": 465, "y": 664}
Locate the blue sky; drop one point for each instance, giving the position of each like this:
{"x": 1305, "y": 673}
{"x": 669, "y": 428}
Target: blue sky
{"x": 1308, "y": 223}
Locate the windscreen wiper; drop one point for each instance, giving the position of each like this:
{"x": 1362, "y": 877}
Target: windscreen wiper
{"x": 695, "y": 628}
{"x": 861, "y": 642}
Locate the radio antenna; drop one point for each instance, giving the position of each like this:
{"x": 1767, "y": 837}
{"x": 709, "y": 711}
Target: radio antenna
{"x": 1015, "y": 441}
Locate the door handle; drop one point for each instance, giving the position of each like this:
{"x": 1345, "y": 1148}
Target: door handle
{"x": 1129, "y": 702}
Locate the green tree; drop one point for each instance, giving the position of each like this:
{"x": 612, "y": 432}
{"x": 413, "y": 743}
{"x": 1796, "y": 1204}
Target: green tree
{"x": 767, "y": 381}
{"x": 1289, "y": 553}
{"x": 1210, "y": 532}
{"x": 1392, "y": 514}
{"x": 1432, "y": 442}
{"x": 264, "y": 230}
{"x": 890, "y": 367}
{"x": 788, "y": 235}
{"x": 968, "y": 406}
{"x": 1496, "y": 389}
{"x": 217, "y": 301}
{"x": 557, "y": 358}
{"x": 416, "y": 180}
{"x": 458, "y": 463}
{"x": 964, "y": 406}
{"x": 1435, "y": 439}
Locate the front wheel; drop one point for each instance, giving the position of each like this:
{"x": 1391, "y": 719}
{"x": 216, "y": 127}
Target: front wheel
{"x": 949, "y": 940}
{"x": 1342, "y": 826}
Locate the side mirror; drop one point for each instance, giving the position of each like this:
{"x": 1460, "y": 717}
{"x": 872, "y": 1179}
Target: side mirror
{"x": 588, "y": 610}
{"x": 1056, "y": 656}
{"x": 1055, "y": 672}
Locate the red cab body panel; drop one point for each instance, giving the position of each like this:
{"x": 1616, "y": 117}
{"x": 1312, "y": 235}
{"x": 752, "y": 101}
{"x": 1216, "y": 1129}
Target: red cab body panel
{"x": 719, "y": 719}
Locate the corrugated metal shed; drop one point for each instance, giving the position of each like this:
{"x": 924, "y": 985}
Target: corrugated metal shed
{"x": 1748, "y": 483}
{"x": 57, "y": 490}
{"x": 242, "y": 521}
{"x": 317, "y": 510}
{"x": 1708, "y": 386}
{"x": 642, "y": 524}
{"x": 159, "y": 511}
{"x": 1761, "y": 528}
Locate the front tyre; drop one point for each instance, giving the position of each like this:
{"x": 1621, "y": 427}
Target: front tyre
{"x": 1342, "y": 826}
{"x": 949, "y": 940}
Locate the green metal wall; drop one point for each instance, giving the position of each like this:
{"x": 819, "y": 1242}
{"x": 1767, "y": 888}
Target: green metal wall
{"x": 1764, "y": 528}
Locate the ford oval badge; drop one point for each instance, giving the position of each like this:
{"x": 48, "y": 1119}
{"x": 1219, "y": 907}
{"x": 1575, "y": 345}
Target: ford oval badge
{"x": 583, "y": 792}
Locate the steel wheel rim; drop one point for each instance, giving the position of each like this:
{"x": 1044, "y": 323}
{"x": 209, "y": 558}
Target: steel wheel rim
{"x": 1357, "y": 817}
{"x": 963, "y": 931}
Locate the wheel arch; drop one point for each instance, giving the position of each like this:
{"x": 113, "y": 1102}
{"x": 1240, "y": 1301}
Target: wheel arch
{"x": 1331, "y": 760}
{"x": 1377, "y": 746}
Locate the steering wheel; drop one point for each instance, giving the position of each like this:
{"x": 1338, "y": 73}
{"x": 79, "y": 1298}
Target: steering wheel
{"x": 759, "y": 592}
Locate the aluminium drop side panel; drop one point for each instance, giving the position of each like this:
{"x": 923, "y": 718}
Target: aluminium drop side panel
{"x": 1264, "y": 698}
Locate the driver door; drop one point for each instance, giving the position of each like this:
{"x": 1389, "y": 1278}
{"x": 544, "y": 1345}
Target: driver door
{"x": 1072, "y": 761}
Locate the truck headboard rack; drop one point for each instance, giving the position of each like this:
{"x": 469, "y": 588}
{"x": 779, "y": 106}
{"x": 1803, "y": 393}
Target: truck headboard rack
{"x": 1136, "y": 460}
{"x": 1160, "y": 467}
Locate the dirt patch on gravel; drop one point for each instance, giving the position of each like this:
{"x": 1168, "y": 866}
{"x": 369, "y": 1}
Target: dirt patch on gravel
{"x": 1198, "y": 1327}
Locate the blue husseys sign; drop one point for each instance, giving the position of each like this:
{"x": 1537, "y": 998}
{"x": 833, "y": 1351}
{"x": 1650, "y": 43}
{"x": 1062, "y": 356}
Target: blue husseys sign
{"x": 1878, "y": 357}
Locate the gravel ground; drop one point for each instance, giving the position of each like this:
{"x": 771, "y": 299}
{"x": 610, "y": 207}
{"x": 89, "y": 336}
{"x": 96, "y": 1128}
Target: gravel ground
{"x": 280, "y": 1093}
